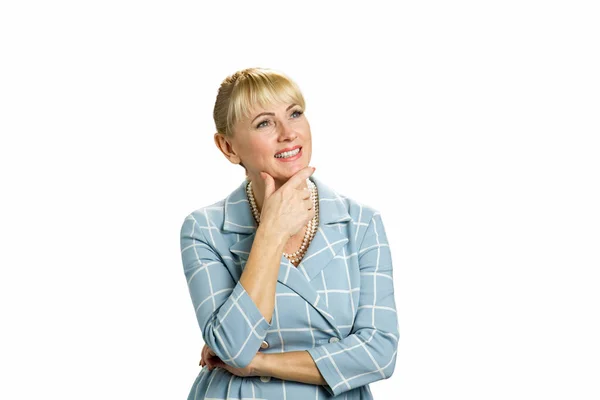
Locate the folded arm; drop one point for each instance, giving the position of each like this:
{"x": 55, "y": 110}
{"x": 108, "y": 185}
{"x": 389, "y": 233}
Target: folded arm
{"x": 231, "y": 323}
{"x": 290, "y": 366}
{"x": 368, "y": 354}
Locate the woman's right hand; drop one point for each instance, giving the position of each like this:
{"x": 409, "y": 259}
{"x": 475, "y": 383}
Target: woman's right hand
{"x": 288, "y": 209}
{"x": 208, "y": 358}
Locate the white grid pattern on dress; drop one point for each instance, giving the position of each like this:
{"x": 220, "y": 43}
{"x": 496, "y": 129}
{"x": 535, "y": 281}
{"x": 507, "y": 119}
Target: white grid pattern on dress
{"x": 371, "y": 328}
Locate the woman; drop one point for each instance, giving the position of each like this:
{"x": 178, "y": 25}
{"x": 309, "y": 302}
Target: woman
{"x": 291, "y": 282}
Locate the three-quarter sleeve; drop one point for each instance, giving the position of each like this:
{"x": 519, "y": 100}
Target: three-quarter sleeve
{"x": 231, "y": 323}
{"x": 368, "y": 354}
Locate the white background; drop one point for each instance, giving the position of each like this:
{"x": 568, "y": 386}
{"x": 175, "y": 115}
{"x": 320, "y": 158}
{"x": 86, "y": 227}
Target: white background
{"x": 471, "y": 125}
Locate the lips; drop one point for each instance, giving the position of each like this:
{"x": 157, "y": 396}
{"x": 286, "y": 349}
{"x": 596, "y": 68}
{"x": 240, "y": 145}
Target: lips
{"x": 288, "y": 149}
{"x": 290, "y": 159}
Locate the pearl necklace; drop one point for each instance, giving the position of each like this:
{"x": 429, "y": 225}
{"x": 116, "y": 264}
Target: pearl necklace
{"x": 311, "y": 228}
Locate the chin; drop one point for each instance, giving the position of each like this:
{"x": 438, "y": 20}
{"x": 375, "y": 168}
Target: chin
{"x": 296, "y": 168}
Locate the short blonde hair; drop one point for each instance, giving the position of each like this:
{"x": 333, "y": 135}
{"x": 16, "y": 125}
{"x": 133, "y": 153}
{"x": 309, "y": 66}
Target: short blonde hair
{"x": 245, "y": 89}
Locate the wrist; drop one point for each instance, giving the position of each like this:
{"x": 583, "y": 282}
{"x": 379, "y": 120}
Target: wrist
{"x": 261, "y": 364}
{"x": 271, "y": 235}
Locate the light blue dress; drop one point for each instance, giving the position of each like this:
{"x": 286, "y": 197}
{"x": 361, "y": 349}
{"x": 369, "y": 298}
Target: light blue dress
{"x": 338, "y": 304}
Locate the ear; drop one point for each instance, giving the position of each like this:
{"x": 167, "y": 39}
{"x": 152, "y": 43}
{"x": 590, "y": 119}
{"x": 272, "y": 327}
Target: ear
{"x": 223, "y": 143}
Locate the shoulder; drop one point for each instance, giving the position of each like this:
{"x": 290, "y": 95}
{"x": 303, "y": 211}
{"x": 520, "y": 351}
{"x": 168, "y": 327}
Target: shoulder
{"x": 337, "y": 208}
{"x": 231, "y": 214}
{"x": 336, "y": 202}
{"x": 208, "y": 216}
{"x": 361, "y": 212}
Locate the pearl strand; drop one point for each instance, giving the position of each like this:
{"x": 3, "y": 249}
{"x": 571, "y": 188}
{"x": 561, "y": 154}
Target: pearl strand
{"x": 311, "y": 228}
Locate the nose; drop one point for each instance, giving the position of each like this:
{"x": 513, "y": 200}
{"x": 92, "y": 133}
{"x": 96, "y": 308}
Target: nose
{"x": 286, "y": 132}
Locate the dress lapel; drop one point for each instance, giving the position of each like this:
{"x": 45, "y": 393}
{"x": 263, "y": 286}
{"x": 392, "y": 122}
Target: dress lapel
{"x": 327, "y": 243}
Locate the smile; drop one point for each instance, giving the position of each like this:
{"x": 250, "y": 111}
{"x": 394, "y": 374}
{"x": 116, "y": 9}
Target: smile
{"x": 289, "y": 155}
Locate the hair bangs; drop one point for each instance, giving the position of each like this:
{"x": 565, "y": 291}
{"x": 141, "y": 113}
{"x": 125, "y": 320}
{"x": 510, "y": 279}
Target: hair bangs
{"x": 262, "y": 89}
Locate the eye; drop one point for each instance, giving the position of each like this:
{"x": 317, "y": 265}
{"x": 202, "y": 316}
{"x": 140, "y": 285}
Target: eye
{"x": 260, "y": 125}
{"x": 299, "y": 112}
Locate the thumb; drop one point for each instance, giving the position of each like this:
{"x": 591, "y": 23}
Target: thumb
{"x": 269, "y": 184}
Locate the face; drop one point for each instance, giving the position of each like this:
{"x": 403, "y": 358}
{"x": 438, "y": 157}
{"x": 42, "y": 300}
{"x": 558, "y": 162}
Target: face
{"x": 266, "y": 133}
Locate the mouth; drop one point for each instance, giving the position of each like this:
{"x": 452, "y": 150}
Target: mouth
{"x": 289, "y": 154}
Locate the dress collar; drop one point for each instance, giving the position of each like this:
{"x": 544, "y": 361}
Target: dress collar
{"x": 239, "y": 219}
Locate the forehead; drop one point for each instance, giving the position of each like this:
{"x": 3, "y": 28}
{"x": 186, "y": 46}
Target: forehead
{"x": 270, "y": 107}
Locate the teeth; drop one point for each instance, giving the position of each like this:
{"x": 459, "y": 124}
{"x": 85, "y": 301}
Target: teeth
{"x": 288, "y": 153}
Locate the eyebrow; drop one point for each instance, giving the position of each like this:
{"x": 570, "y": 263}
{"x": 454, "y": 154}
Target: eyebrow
{"x": 270, "y": 113}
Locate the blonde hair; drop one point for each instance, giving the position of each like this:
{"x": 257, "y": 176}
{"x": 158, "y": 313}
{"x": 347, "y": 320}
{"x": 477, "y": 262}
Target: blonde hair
{"x": 245, "y": 89}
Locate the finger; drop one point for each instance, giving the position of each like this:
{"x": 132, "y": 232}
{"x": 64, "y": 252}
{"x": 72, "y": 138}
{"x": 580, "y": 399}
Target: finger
{"x": 210, "y": 361}
{"x": 214, "y": 364}
{"x": 299, "y": 177}
{"x": 305, "y": 193}
{"x": 311, "y": 214}
{"x": 269, "y": 184}
{"x": 309, "y": 204}
{"x": 207, "y": 352}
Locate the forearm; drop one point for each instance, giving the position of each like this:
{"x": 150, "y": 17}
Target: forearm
{"x": 291, "y": 366}
{"x": 259, "y": 277}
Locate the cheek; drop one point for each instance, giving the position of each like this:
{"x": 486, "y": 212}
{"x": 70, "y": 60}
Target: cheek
{"x": 260, "y": 149}
{"x": 306, "y": 131}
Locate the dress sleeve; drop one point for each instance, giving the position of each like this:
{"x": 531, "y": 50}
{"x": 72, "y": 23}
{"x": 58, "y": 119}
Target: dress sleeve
{"x": 231, "y": 323}
{"x": 368, "y": 354}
